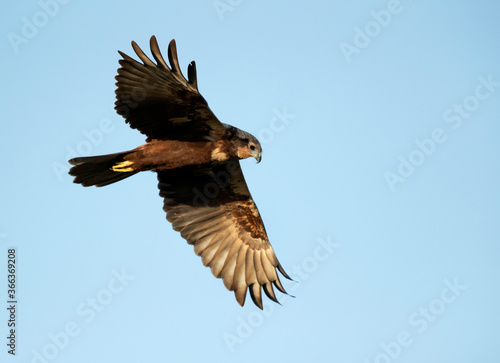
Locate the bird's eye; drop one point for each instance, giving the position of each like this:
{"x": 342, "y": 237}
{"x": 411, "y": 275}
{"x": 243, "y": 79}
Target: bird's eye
{"x": 252, "y": 147}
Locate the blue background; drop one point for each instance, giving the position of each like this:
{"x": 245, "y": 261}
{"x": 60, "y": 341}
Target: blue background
{"x": 363, "y": 84}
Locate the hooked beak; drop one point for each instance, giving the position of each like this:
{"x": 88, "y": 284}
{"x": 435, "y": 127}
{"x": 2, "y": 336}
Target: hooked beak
{"x": 258, "y": 157}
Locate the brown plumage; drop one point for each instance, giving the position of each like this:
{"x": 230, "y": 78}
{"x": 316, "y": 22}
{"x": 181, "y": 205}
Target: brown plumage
{"x": 196, "y": 158}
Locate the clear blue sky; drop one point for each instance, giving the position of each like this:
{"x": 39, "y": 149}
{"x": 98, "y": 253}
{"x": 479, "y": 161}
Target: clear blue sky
{"x": 380, "y": 192}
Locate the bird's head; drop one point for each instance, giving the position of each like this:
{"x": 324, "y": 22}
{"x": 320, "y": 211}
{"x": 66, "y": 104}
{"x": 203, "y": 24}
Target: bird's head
{"x": 254, "y": 148}
{"x": 247, "y": 145}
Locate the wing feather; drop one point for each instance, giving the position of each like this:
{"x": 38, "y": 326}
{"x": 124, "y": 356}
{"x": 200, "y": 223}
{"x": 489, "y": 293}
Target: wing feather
{"x": 240, "y": 295}
{"x": 201, "y": 244}
{"x": 239, "y": 278}
{"x": 268, "y": 289}
{"x": 259, "y": 270}
{"x": 142, "y": 56}
{"x": 209, "y": 253}
{"x": 256, "y": 294}
{"x": 151, "y": 96}
{"x": 268, "y": 268}
{"x": 219, "y": 259}
{"x": 172, "y": 57}
{"x": 205, "y": 229}
{"x": 227, "y": 273}
{"x": 226, "y": 231}
{"x": 278, "y": 284}
{"x": 155, "y": 50}
{"x": 250, "y": 271}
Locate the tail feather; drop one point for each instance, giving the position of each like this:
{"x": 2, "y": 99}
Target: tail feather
{"x": 98, "y": 170}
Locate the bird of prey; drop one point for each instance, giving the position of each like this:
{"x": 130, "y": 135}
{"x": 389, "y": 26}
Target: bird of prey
{"x": 196, "y": 158}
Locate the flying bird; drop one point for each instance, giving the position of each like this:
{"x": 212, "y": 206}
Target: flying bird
{"x": 196, "y": 158}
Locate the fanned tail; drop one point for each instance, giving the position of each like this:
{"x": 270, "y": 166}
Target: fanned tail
{"x": 100, "y": 170}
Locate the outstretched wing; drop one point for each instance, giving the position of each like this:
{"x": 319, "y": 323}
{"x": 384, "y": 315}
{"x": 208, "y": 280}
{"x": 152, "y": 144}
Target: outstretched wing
{"x": 158, "y": 101}
{"x": 213, "y": 210}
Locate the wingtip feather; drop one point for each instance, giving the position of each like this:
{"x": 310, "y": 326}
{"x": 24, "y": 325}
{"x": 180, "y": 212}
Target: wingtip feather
{"x": 256, "y": 294}
{"x": 192, "y": 77}
{"x": 155, "y": 50}
{"x": 142, "y": 56}
{"x": 172, "y": 57}
{"x": 280, "y": 269}
{"x": 241, "y": 295}
{"x": 268, "y": 289}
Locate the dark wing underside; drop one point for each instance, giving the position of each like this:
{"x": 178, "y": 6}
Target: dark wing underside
{"x": 213, "y": 210}
{"x": 157, "y": 100}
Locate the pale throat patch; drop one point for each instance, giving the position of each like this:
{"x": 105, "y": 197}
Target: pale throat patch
{"x": 243, "y": 152}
